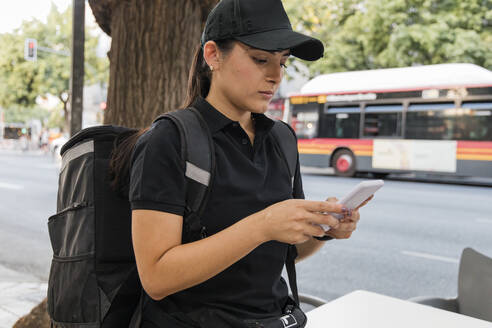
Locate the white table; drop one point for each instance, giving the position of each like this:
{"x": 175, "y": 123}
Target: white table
{"x": 363, "y": 309}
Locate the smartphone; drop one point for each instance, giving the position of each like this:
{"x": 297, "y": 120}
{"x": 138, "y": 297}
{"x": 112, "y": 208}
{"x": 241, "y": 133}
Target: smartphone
{"x": 357, "y": 196}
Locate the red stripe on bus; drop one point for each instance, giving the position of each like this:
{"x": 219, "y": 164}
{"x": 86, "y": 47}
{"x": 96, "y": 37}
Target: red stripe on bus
{"x": 475, "y": 144}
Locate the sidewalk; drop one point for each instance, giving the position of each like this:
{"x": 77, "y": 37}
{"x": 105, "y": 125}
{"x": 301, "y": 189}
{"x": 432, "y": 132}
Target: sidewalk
{"x": 19, "y": 293}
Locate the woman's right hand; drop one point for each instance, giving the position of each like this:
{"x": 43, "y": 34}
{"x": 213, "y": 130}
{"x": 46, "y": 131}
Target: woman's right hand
{"x": 294, "y": 221}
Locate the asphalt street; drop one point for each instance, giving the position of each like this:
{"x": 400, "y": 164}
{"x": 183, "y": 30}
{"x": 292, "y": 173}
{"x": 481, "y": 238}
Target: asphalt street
{"x": 28, "y": 186}
{"x": 408, "y": 242}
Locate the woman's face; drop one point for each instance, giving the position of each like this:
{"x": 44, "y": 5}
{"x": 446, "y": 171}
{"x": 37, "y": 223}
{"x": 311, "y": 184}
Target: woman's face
{"x": 248, "y": 77}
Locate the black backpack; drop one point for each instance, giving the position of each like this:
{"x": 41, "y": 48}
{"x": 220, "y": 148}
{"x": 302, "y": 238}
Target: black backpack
{"x": 93, "y": 280}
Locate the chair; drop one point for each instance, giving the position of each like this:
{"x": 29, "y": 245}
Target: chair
{"x": 311, "y": 300}
{"x": 474, "y": 288}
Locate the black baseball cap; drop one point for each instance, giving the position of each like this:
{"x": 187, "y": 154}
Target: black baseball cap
{"x": 261, "y": 24}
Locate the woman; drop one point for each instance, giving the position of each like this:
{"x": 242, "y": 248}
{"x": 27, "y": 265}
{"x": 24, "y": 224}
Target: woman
{"x": 232, "y": 277}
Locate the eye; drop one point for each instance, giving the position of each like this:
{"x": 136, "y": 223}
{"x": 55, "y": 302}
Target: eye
{"x": 259, "y": 60}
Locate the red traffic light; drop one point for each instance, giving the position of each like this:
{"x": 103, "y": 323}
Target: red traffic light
{"x": 30, "y": 49}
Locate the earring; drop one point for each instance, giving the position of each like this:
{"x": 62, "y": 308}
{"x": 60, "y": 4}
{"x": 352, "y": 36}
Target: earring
{"x": 211, "y": 68}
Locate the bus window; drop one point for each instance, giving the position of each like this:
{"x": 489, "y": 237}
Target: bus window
{"x": 478, "y": 120}
{"x": 445, "y": 122}
{"x": 340, "y": 122}
{"x": 383, "y": 121}
{"x": 430, "y": 121}
{"x": 304, "y": 120}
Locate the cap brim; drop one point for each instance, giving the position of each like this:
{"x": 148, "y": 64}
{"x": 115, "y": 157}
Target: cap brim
{"x": 301, "y": 46}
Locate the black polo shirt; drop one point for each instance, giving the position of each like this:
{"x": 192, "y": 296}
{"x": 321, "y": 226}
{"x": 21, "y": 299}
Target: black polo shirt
{"x": 248, "y": 178}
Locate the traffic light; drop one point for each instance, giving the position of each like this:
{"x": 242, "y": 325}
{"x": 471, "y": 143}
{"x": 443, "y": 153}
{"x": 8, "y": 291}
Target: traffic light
{"x": 31, "y": 49}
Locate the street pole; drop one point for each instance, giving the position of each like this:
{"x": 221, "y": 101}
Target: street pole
{"x": 77, "y": 77}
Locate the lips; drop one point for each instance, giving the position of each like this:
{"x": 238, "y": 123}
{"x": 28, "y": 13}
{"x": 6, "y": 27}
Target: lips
{"x": 269, "y": 93}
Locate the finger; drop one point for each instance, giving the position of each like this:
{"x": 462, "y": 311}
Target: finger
{"x": 318, "y": 218}
{"x": 317, "y": 206}
{"x": 345, "y": 235}
{"x": 348, "y": 214}
{"x": 346, "y": 227}
{"x": 355, "y": 217}
{"x": 339, "y": 235}
{"x": 314, "y": 230}
{"x": 332, "y": 199}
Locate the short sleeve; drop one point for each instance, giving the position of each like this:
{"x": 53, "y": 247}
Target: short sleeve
{"x": 157, "y": 180}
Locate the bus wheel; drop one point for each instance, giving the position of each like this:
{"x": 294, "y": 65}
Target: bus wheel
{"x": 344, "y": 163}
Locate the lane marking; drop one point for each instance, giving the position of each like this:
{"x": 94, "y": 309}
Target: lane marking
{"x": 431, "y": 257}
{"x": 11, "y": 186}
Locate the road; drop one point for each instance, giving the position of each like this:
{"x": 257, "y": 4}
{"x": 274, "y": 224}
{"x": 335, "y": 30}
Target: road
{"x": 28, "y": 186}
{"x": 408, "y": 242}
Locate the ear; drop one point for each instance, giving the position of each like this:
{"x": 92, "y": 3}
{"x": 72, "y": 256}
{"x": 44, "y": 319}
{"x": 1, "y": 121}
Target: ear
{"x": 211, "y": 54}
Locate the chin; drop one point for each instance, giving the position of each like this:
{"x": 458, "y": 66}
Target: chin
{"x": 255, "y": 105}
{"x": 260, "y": 107}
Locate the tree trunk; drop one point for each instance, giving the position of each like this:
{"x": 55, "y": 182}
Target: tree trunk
{"x": 151, "y": 52}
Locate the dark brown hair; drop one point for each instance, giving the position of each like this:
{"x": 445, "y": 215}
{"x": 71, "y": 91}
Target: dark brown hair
{"x": 119, "y": 165}
{"x": 199, "y": 80}
{"x": 200, "y": 75}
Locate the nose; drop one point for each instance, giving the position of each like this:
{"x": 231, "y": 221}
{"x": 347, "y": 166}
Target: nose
{"x": 275, "y": 73}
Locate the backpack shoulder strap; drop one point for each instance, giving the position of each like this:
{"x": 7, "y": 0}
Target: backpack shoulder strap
{"x": 287, "y": 141}
{"x": 198, "y": 155}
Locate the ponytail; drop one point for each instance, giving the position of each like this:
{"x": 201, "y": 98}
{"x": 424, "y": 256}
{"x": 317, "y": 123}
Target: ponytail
{"x": 119, "y": 165}
{"x": 200, "y": 76}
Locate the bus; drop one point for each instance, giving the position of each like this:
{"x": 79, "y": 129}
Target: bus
{"x": 433, "y": 119}
{"x": 276, "y": 108}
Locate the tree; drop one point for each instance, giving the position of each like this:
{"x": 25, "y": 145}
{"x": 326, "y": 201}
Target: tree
{"x": 369, "y": 34}
{"x": 21, "y": 81}
{"x": 151, "y": 52}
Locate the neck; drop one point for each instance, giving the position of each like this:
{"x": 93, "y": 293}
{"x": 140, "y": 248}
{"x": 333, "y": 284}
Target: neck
{"x": 229, "y": 109}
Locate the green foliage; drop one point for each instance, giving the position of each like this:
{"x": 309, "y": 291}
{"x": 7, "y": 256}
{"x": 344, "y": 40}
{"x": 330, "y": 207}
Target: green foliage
{"x": 55, "y": 119}
{"x": 369, "y": 34}
{"x": 21, "y": 81}
{"x": 20, "y": 114}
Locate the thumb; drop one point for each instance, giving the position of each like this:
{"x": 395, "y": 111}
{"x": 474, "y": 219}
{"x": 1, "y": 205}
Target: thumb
{"x": 332, "y": 199}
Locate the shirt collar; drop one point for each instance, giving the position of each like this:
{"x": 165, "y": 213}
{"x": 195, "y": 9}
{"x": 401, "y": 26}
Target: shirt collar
{"x": 216, "y": 121}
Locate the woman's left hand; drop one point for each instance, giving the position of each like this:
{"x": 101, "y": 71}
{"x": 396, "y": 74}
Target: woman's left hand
{"x": 348, "y": 223}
